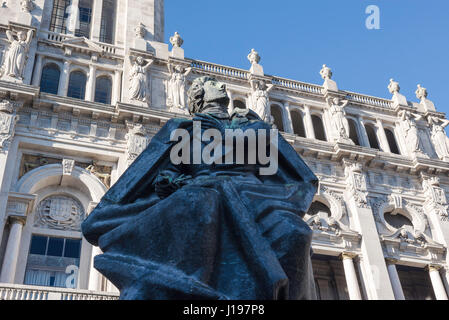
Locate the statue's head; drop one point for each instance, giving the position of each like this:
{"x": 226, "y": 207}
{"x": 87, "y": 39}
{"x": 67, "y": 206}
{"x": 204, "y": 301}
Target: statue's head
{"x": 179, "y": 69}
{"x": 139, "y": 61}
{"x": 21, "y": 36}
{"x": 336, "y": 101}
{"x": 206, "y": 91}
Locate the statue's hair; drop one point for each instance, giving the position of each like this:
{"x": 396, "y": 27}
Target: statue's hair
{"x": 195, "y": 98}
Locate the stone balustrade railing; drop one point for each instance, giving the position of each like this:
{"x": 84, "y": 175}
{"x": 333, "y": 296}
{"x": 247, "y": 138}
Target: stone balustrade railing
{"x": 297, "y": 85}
{"x": 378, "y": 102}
{"x": 219, "y": 69}
{"x": 59, "y": 37}
{"x": 21, "y": 292}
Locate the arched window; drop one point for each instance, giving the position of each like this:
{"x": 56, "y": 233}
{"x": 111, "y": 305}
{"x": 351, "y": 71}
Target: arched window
{"x": 108, "y": 17}
{"x": 50, "y": 79}
{"x": 298, "y": 123}
{"x": 372, "y": 137}
{"x": 239, "y": 104}
{"x": 398, "y": 220}
{"x": 392, "y": 141}
{"x": 276, "y": 113}
{"x": 103, "y": 89}
{"x": 318, "y": 128}
{"x": 353, "y": 134}
{"x": 77, "y": 85}
{"x": 52, "y": 258}
{"x": 318, "y": 207}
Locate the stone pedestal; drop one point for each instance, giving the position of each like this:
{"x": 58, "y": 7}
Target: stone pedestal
{"x": 256, "y": 69}
{"x": 428, "y": 105}
{"x": 177, "y": 53}
{"x": 140, "y": 44}
{"x": 330, "y": 85}
{"x": 24, "y": 18}
{"x": 399, "y": 100}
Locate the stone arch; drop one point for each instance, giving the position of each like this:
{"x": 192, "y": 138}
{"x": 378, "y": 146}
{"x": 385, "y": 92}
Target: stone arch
{"x": 318, "y": 127}
{"x": 52, "y": 174}
{"x": 50, "y": 78}
{"x": 333, "y": 201}
{"x": 405, "y": 208}
{"x": 297, "y": 117}
{"x": 278, "y": 114}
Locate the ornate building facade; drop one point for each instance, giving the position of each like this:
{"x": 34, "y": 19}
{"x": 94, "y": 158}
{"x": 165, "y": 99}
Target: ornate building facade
{"x": 84, "y": 85}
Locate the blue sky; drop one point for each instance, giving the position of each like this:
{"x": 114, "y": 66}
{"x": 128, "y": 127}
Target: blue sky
{"x": 296, "y": 37}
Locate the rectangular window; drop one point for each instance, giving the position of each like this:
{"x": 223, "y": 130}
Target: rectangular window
{"x": 51, "y": 261}
{"x": 38, "y": 245}
{"x": 85, "y": 17}
{"x": 107, "y": 27}
{"x": 66, "y": 18}
{"x": 59, "y": 16}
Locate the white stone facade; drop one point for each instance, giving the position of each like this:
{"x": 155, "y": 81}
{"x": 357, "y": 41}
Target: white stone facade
{"x": 383, "y": 164}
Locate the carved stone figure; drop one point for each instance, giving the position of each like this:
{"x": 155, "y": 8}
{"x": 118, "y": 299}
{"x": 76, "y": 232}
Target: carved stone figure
{"x": 356, "y": 183}
{"x": 176, "y": 88}
{"x": 421, "y": 93}
{"x": 338, "y": 117}
{"x": 207, "y": 231}
{"x": 138, "y": 87}
{"x": 17, "y": 54}
{"x": 176, "y": 40}
{"x": 326, "y": 72}
{"x": 27, "y": 5}
{"x": 439, "y": 137}
{"x": 104, "y": 177}
{"x": 394, "y": 87}
{"x": 140, "y": 31}
{"x": 137, "y": 140}
{"x": 260, "y": 99}
{"x": 8, "y": 121}
{"x": 254, "y": 57}
{"x": 410, "y": 131}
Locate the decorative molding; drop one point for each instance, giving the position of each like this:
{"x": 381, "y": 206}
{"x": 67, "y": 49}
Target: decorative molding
{"x": 59, "y": 213}
{"x": 67, "y": 166}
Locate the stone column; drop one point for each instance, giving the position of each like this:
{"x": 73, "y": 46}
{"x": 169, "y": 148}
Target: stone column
{"x": 94, "y": 275}
{"x": 64, "y": 80}
{"x": 12, "y": 250}
{"x": 308, "y": 124}
{"x": 394, "y": 278}
{"x": 382, "y": 137}
{"x": 117, "y": 87}
{"x": 90, "y": 87}
{"x": 288, "y": 123}
{"x": 37, "y": 70}
{"x": 376, "y": 280}
{"x": 351, "y": 276}
{"x": 437, "y": 283}
{"x": 364, "y": 135}
{"x": 231, "y": 102}
{"x": 96, "y": 20}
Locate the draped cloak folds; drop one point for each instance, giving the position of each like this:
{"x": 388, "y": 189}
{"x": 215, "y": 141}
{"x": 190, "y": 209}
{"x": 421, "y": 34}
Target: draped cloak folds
{"x": 230, "y": 233}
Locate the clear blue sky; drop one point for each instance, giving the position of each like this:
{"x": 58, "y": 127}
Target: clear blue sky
{"x": 295, "y": 37}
